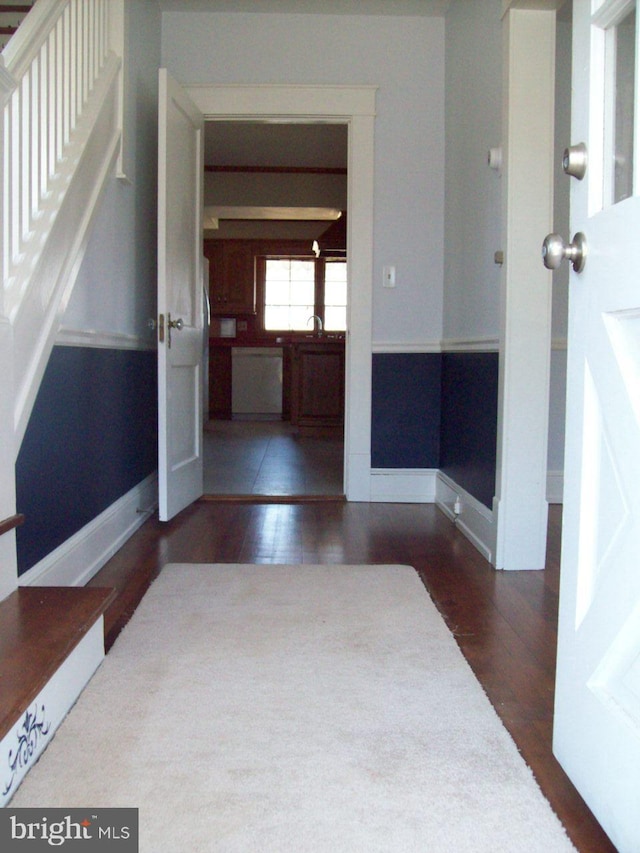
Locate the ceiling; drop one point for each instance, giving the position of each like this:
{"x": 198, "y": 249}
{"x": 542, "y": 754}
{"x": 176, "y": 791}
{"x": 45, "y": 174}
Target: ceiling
{"x": 281, "y": 149}
{"x": 427, "y": 8}
{"x": 251, "y": 143}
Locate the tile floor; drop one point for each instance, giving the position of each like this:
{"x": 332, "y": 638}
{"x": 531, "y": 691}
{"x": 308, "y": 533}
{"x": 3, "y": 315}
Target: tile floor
{"x": 269, "y": 458}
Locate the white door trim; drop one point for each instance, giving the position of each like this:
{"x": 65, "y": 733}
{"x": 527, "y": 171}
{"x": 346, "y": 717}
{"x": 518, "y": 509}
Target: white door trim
{"x": 355, "y": 106}
{"x": 520, "y": 506}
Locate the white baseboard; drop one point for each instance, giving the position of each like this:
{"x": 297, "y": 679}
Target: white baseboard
{"x": 357, "y": 482}
{"x": 78, "y": 559}
{"x": 403, "y": 485}
{"x": 472, "y": 518}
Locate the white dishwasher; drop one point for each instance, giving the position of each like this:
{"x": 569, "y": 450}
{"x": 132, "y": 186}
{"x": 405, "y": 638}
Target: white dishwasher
{"x": 256, "y": 380}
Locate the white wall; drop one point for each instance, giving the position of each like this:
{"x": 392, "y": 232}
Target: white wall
{"x": 116, "y": 288}
{"x": 473, "y": 84}
{"x": 404, "y": 57}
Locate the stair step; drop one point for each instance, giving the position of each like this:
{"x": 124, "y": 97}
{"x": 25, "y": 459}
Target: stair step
{"x": 39, "y": 627}
{"x": 51, "y": 643}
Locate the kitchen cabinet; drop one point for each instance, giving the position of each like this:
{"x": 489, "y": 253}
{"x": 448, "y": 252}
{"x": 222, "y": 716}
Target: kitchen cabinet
{"x": 312, "y": 387}
{"x": 220, "y": 382}
{"x": 317, "y": 387}
{"x": 232, "y": 287}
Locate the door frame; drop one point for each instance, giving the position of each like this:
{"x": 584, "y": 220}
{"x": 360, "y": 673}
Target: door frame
{"x": 355, "y": 107}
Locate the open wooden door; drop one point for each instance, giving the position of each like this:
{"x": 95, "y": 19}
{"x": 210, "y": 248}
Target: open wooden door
{"x": 180, "y": 304}
{"x": 597, "y": 713}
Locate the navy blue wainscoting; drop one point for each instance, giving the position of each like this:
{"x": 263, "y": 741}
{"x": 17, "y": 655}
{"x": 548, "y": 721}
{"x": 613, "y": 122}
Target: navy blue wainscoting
{"x": 92, "y": 437}
{"x": 469, "y": 421}
{"x": 405, "y": 428}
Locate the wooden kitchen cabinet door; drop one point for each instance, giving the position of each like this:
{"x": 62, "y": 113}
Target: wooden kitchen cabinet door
{"x": 317, "y": 403}
{"x": 232, "y": 288}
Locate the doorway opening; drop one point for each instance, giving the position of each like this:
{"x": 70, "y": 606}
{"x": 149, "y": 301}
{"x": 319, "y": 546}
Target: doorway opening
{"x": 275, "y": 199}
{"x": 355, "y": 107}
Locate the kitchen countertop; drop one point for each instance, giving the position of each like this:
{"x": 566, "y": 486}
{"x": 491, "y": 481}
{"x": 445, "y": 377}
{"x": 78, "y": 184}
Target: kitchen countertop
{"x": 279, "y": 340}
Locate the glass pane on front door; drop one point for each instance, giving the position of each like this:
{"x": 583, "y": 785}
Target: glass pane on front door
{"x": 614, "y": 53}
{"x": 624, "y": 46}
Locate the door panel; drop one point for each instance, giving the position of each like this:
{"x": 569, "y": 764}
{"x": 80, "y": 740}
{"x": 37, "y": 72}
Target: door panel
{"x": 180, "y": 302}
{"x": 597, "y": 714}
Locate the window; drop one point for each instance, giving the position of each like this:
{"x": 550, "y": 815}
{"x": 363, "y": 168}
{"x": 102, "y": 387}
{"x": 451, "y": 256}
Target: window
{"x": 297, "y": 288}
{"x": 335, "y": 296}
{"x": 289, "y": 293}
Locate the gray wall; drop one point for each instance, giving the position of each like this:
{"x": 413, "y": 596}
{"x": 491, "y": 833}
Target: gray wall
{"x": 116, "y": 288}
{"x": 404, "y": 57}
{"x": 473, "y": 84}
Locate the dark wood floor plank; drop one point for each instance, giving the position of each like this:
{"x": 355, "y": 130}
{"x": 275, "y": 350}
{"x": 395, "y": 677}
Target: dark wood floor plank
{"x": 504, "y": 622}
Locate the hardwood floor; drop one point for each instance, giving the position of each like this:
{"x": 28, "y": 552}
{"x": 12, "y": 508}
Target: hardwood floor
{"x": 254, "y": 457}
{"x": 504, "y": 622}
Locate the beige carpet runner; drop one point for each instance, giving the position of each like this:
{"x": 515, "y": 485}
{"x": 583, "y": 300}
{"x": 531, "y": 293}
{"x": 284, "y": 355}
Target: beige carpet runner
{"x": 255, "y": 708}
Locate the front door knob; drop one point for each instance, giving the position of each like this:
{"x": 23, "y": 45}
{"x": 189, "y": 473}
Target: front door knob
{"x": 555, "y": 251}
{"x": 574, "y": 161}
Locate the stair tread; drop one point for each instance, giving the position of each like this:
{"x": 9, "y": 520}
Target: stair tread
{"x": 39, "y": 628}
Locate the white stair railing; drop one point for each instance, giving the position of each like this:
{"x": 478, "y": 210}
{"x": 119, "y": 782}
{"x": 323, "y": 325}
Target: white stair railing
{"x": 54, "y": 77}
{"x": 61, "y": 87}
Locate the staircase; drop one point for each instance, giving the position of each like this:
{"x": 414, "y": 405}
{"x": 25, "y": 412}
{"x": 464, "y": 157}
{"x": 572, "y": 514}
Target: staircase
{"x": 11, "y": 16}
{"x": 61, "y": 95}
{"x": 61, "y": 88}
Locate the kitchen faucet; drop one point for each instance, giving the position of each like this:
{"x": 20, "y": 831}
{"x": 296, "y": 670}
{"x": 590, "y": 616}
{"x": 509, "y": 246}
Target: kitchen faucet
{"x": 317, "y": 323}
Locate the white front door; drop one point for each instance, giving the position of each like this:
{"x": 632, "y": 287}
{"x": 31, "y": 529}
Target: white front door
{"x": 597, "y": 713}
{"x": 180, "y": 302}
